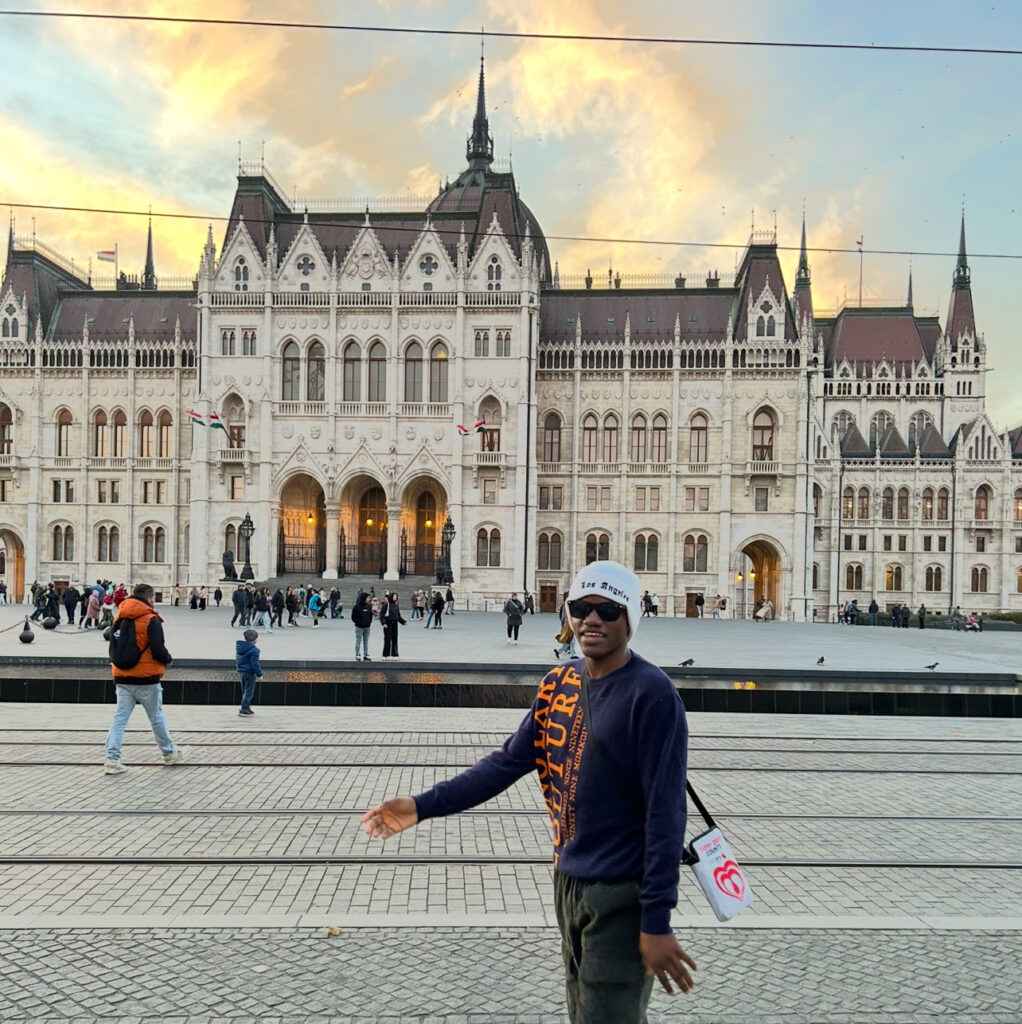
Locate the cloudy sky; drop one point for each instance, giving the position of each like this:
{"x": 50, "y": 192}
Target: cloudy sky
{"x": 641, "y": 142}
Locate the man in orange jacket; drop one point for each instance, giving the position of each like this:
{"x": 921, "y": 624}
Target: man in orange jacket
{"x": 141, "y": 684}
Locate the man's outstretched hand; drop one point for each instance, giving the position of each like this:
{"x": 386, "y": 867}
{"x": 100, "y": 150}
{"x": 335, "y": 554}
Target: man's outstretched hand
{"x": 663, "y": 957}
{"x": 390, "y": 818}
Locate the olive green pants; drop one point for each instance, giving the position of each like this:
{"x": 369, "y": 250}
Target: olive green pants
{"x": 605, "y": 981}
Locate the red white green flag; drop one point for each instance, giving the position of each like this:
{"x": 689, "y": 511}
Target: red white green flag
{"x": 107, "y": 256}
{"x": 216, "y": 423}
{"x": 196, "y": 418}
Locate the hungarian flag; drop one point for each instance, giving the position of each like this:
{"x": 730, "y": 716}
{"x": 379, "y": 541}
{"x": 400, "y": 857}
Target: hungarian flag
{"x": 216, "y": 423}
{"x": 196, "y": 418}
{"x": 107, "y": 256}
{"x": 480, "y": 427}
{"x": 463, "y": 431}
{"x": 858, "y": 241}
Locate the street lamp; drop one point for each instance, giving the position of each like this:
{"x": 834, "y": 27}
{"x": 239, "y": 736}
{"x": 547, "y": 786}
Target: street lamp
{"x": 444, "y": 573}
{"x": 246, "y": 530}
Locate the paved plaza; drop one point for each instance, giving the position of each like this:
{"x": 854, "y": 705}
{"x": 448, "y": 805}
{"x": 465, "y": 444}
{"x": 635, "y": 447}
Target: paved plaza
{"x": 886, "y": 853}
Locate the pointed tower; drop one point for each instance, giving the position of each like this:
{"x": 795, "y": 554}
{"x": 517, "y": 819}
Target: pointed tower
{"x": 908, "y": 302}
{"x": 802, "y": 292}
{"x": 149, "y": 274}
{"x": 961, "y": 320}
{"x": 480, "y": 142}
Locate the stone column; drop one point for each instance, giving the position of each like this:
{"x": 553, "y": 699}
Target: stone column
{"x": 393, "y": 540}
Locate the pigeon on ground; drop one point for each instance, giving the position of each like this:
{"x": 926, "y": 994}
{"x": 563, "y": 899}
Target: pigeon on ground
{"x": 688, "y": 662}
{"x": 819, "y": 661}
{"x": 933, "y": 666}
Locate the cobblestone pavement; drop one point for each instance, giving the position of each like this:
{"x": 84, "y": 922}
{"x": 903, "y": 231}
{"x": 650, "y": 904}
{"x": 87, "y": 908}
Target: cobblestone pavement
{"x": 497, "y": 976}
{"x": 430, "y": 936}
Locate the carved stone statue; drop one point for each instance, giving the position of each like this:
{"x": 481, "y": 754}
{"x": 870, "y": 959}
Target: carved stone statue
{"x": 230, "y": 573}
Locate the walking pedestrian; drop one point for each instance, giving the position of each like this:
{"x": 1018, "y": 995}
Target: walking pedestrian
{"x": 176, "y": 594}
{"x": 655, "y": 601}
{"x": 618, "y": 813}
{"x": 193, "y": 599}
{"x": 437, "y": 611}
{"x": 428, "y": 603}
{"x": 240, "y": 601}
{"x": 277, "y": 608}
{"x": 293, "y": 605}
{"x": 449, "y": 599}
{"x": 922, "y": 616}
{"x": 873, "y": 609}
{"x": 141, "y": 683}
{"x": 896, "y": 616}
{"x": 315, "y": 606}
{"x": 362, "y": 620}
{"x": 246, "y": 661}
{"x": 530, "y": 604}
{"x": 390, "y": 616}
{"x": 700, "y": 604}
{"x": 335, "y": 600}
{"x": 71, "y": 597}
{"x": 513, "y": 609}
{"x": 203, "y": 597}
{"x": 92, "y": 611}
{"x": 261, "y": 606}
{"x": 218, "y": 596}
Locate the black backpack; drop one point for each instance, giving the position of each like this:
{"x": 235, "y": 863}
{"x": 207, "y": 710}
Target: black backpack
{"x": 124, "y": 649}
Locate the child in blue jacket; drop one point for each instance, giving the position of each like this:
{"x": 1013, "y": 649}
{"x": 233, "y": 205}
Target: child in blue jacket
{"x": 246, "y": 660}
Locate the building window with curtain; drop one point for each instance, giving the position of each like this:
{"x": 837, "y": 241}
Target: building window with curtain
{"x": 438, "y": 373}
{"x": 658, "y": 439}
{"x": 763, "y": 436}
{"x": 413, "y": 372}
{"x": 315, "y": 386}
{"x": 610, "y": 435}
{"x": 378, "y": 373}
{"x": 291, "y": 374}
{"x": 352, "y": 373}
{"x": 552, "y": 438}
{"x": 697, "y": 435}
{"x": 590, "y": 451}
{"x": 638, "y": 439}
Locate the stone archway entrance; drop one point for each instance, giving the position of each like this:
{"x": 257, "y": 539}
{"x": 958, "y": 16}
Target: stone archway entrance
{"x": 12, "y": 565}
{"x": 301, "y": 535}
{"x": 757, "y": 576}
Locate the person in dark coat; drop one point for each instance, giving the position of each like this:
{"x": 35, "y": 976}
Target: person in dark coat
{"x": 240, "y": 601}
{"x": 438, "y": 610}
{"x": 277, "y": 604}
{"x": 293, "y": 605}
{"x": 922, "y": 616}
{"x": 390, "y": 616}
{"x": 71, "y": 599}
{"x": 513, "y": 609}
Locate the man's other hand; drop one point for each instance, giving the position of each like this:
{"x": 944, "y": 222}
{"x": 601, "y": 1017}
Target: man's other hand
{"x": 664, "y": 958}
{"x": 390, "y": 818}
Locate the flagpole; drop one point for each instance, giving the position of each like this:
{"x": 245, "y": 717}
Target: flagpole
{"x": 861, "y": 240}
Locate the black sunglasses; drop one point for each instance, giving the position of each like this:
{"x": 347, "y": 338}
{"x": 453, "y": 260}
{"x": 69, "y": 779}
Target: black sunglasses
{"x": 608, "y": 611}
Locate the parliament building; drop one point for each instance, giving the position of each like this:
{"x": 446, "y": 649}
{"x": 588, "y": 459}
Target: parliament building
{"x": 354, "y": 380}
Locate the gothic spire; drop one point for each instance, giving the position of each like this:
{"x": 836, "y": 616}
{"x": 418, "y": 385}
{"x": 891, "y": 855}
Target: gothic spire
{"x": 480, "y": 143}
{"x": 909, "y": 302}
{"x": 802, "y": 274}
{"x": 149, "y": 274}
{"x": 961, "y": 278}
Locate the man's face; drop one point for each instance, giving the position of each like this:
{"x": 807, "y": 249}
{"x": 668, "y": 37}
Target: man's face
{"x": 599, "y": 639}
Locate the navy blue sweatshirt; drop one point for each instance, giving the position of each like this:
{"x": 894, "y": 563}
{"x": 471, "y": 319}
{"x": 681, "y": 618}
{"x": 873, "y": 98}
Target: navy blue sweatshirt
{"x": 599, "y": 831}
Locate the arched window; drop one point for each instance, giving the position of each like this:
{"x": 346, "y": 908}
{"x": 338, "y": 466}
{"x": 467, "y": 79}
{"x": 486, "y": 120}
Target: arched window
{"x": 597, "y": 547}
{"x": 646, "y": 554}
{"x": 943, "y": 500}
{"x": 100, "y": 435}
{"x": 291, "y": 373}
{"x": 248, "y": 343}
{"x": 119, "y": 448}
{"x": 108, "y": 548}
{"x": 902, "y": 503}
{"x": 145, "y": 435}
{"x": 817, "y": 500}
{"x": 816, "y": 576}
{"x": 315, "y": 385}
{"x": 771, "y": 327}
{"x": 488, "y": 547}
{"x": 231, "y": 539}
{"x": 982, "y": 503}
{"x": 658, "y": 439}
{"x": 493, "y": 275}
{"x": 590, "y": 451}
{"x": 610, "y": 439}
{"x": 887, "y": 503}
{"x": 165, "y": 436}
{"x": 377, "y": 373}
{"x": 848, "y": 503}
{"x": 880, "y": 422}
{"x": 694, "y": 553}
{"x": 927, "y": 503}
{"x": 892, "y": 577}
{"x": 6, "y": 430}
{"x": 863, "y": 503}
{"x": 438, "y": 366}
{"x": 63, "y": 549}
{"x": 638, "y": 442}
{"x": 763, "y": 436}
{"x": 14, "y": 327}
{"x": 352, "y": 372}
{"x": 979, "y": 580}
{"x": 697, "y": 434}
{"x": 916, "y": 425}
{"x": 64, "y": 423}
{"x": 843, "y": 421}
{"x": 413, "y": 372}
{"x": 934, "y": 578}
{"x": 853, "y": 577}
{"x": 549, "y": 551}
{"x": 552, "y": 438}
{"x": 154, "y": 544}
{"x": 1017, "y": 515}
{"x": 227, "y": 343}
{"x": 760, "y": 327}
{"x": 241, "y": 275}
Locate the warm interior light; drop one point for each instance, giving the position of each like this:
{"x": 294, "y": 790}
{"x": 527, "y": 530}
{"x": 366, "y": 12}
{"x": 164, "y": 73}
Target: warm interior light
{"x": 752, "y": 575}
{"x": 429, "y": 523}
{"x": 739, "y": 578}
{"x": 369, "y": 521}
{"x": 312, "y": 519}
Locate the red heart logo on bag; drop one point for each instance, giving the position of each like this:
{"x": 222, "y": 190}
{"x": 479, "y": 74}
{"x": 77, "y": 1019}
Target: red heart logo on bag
{"x": 729, "y": 880}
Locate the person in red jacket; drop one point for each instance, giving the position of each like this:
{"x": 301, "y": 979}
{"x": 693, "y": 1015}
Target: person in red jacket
{"x": 141, "y": 684}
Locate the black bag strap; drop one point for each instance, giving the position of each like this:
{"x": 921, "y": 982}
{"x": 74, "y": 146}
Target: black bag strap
{"x": 614, "y": 774}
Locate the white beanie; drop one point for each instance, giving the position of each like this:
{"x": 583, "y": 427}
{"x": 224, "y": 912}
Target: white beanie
{"x": 614, "y": 582}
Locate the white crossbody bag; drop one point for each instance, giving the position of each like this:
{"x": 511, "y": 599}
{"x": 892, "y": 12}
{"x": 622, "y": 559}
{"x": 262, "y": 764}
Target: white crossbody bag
{"x": 709, "y": 855}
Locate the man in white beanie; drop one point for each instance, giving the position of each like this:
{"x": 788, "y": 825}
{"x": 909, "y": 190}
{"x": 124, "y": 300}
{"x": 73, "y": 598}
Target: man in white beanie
{"x": 607, "y": 736}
